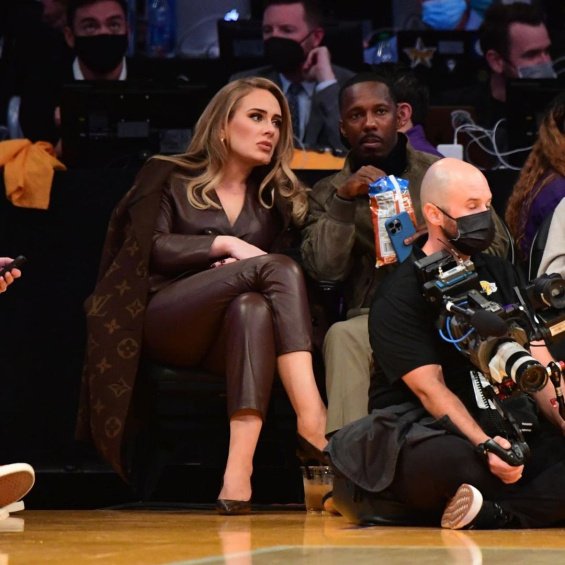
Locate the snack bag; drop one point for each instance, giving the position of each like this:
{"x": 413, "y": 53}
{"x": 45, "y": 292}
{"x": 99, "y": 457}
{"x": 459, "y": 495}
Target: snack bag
{"x": 388, "y": 196}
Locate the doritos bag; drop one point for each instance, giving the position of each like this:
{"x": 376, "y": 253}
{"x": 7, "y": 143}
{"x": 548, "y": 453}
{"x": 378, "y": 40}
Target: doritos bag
{"x": 388, "y": 196}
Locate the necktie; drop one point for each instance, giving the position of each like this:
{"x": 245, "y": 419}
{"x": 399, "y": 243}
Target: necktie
{"x": 292, "y": 96}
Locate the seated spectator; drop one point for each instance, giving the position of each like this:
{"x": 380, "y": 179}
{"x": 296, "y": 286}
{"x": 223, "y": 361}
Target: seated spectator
{"x": 413, "y": 102}
{"x": 442, "y": 15}
{"x": 515, "y": 44}
{"x": 453, "y": 14}
{"x": 55, "y": 13}
{"x": 541, "y": 184}
{"x": 553, "y": 259}
{"x": 301, "y": 66}
{"x": 92, "y": 46}
{"x": 339, "y": 240}
{"x": 97, "y": 31}
{"x": 196, "y": 248}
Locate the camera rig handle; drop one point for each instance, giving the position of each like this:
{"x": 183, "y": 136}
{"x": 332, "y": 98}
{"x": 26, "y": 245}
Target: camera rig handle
{"x": 555, "y": 370}
{"x": 519, "y": 450}
{"x": 516, "y": 455}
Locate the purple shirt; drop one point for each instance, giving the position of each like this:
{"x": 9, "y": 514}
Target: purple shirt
{"x": 542, "y": 206}
{"x": 418, "y": 140}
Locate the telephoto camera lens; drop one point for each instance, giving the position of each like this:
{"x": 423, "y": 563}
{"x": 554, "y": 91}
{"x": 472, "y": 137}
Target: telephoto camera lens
{"x": 513, "y": 360}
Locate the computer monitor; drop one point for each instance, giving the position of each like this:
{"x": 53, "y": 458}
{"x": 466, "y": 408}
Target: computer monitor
{"x": 443, "y": 60}
{"x": 526, "y": 102}
{"x": 120, "y": 124}
{"x": 241, "y": 44}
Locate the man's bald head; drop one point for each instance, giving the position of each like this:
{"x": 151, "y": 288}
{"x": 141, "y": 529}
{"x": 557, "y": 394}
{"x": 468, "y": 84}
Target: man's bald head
{"x": 451, "y": 189}
{"x": 449, "y": 179}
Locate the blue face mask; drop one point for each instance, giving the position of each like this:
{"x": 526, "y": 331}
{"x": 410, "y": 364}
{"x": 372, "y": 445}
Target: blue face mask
{"x": 540, "y": 70}
{"x": 480, "y": 6}
{"x": 443, "y": 14}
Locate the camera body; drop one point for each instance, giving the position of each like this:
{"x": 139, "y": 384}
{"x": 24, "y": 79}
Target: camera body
{"x": 546, "y": 295}
{"x": 441, "y": 276}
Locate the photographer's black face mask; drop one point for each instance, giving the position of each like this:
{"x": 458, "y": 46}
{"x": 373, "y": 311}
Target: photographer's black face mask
{"x": 101, "y": 53}
{"x": 475, "y": 232}
{"x": 286, "y": 55}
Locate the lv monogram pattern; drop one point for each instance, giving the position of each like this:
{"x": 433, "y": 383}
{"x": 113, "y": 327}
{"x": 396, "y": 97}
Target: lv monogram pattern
{"x": 114, "y": 314}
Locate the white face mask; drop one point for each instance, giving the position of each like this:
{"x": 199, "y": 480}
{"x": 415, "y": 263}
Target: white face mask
{"x": 539, "y": 70}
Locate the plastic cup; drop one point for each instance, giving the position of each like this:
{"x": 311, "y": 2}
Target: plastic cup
{"x": 318, "y": 481}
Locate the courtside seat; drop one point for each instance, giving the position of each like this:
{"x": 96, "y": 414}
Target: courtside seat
{"x": 182, "y": 420}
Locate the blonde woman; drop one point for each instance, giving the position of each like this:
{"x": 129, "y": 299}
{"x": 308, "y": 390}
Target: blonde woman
{"x": 220, "y": 294}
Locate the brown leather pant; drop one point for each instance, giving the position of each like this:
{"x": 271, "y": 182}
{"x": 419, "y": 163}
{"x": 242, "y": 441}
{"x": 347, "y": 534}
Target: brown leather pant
{"x": 233, "y": 320}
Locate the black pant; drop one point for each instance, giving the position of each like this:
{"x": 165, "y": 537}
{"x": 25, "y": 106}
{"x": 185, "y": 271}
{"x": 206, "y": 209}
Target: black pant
{"x": 428, "y": 474}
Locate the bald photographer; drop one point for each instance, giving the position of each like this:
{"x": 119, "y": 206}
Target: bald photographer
{"x": 465, "y": 428}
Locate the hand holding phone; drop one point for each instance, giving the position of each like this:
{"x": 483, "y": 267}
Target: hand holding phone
{"x": 15, "y": 264}
{"x": 400, "y": 227}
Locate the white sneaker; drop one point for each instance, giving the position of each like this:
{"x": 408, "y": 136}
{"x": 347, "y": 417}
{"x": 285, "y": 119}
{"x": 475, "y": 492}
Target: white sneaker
{"x": 16, "y": 481}
{"x": 463, "y": 508}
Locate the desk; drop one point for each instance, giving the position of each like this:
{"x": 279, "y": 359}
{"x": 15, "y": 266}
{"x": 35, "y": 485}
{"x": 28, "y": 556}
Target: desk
{"x": 309, "y": 160}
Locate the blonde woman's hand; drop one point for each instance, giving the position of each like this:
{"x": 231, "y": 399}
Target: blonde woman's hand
{"x": 222, "y": 262}
{"x": 230, "y": 247}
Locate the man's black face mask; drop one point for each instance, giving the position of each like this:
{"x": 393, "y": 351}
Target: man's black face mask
{"x": 475, "y": 232}
{"x": 286, "y": 55}
{"x": 101, "y": 53}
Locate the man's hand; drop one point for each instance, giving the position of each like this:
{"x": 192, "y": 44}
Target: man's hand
{"x": 358, "y": 183}
{"x": 10, "y": 276}
{"x": 505, "y": 472}
{"x": 317, "y": 66}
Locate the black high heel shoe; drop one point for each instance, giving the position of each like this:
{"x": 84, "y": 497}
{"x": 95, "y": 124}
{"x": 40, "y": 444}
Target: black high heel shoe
{"x": 227, "y": 507}
{"x": 309, "y": 454}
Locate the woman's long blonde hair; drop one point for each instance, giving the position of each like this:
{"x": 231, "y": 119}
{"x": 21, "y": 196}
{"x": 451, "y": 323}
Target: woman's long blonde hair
{"x": 207, "y": 154}
{"x": 545, "y": 162}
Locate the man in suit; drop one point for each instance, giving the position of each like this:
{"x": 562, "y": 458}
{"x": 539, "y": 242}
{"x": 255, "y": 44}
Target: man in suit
{"x": 301, "y": 66}
{"x": 91, "y": 46}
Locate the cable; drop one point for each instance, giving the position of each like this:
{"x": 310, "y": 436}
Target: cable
{"x": 451, "y": 339}
{"x": 472, "y": 129}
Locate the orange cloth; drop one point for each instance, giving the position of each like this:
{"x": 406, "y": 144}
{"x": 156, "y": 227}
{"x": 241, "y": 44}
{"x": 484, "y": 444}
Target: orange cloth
{"x": 28, "y": 171}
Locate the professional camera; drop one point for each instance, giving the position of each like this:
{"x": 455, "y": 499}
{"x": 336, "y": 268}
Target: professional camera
{"x": 546, "y": 295}
{"x": 494, "y": 337}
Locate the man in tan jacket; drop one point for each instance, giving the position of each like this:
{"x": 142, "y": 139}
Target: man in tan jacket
{"x": 339, "y": 242}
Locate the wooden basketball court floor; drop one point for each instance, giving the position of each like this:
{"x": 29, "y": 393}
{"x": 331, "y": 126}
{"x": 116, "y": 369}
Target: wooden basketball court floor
{"x": 71, "y": 537}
